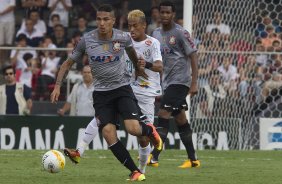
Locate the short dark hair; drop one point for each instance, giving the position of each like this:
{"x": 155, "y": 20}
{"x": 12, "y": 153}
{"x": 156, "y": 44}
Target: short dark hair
{"x": 167, "y": 3}
{"x": 32, "y": 11}
{"x": 21, "y": 37}
{"x": 55, "y": 15}
{"x": 27, "y": 56}
{"x": 7, "y": 68}
{"x": 106, "y": 8}
{"x": 154, "y": 7}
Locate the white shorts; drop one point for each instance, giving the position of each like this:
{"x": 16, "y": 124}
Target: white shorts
{"x": 7, "y": 30}
{"x": 147, "y": 105}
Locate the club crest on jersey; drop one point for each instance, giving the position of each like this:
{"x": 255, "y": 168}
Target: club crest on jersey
{"x": 116, "y": 46}
{"x": 172, "y": 40}
{"x": 148, "y": 42}
{"x": 147, "y": 54}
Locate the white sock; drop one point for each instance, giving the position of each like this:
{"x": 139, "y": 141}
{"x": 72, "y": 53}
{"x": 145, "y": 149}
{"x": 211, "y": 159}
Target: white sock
{"x": 143, "y": 157}
{"x": 88, "y": 136}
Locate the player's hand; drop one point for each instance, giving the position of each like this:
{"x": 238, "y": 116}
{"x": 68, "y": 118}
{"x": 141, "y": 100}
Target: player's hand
{"x": 61, "y": 112}
{"x": 193, "y": 89}
{"x": 55, "y": 94}
{"x": 141, "y": 72}
{"x": 141, "y": 63}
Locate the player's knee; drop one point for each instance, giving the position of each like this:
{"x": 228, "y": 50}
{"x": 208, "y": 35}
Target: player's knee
{"x": 143, "y": 141}
{"x": 108, "y": 131}
{"x": 180, "y": 119}
{"x": 133, "y": 128}
{"x": 164, "y": 113}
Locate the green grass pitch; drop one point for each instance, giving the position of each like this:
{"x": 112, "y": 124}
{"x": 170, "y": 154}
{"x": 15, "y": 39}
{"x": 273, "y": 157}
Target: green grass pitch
{"x": 250, "y": 167}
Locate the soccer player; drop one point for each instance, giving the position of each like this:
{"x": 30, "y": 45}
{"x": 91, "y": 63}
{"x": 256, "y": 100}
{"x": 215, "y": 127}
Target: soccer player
{"x": 112, "y": 94}
{"x": 179, "y": 57}
{"x": 145, "y": 90}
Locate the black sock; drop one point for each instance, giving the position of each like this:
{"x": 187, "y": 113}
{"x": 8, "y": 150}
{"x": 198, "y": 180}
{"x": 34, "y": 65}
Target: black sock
{"x": 162, "y": 129}
{"x": 123, "y": 156}
{"x": 146, "y": 130}
{"x": 185, "y": 133}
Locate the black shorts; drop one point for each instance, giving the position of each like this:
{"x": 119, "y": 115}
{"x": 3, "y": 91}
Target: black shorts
{"x": 110, "y": 104}
{"x": 174, "y": 99}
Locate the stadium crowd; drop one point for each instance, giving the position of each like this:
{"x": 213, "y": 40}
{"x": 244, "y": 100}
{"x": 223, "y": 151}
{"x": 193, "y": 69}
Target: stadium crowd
{"x": 224, "y": 77}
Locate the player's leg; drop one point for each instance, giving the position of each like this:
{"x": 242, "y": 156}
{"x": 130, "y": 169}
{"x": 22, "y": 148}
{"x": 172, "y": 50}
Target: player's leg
{"x": 168, "y": 102}
{"x": 185, "y": 133}
{"x": 90, "y": 133}
{"x": 105, "y": 104}
{"x": 129, "y": 110}
{"x": 147, "y": 107}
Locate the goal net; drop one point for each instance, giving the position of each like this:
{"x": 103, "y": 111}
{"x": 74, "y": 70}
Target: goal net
{"x": 239, "y": 44}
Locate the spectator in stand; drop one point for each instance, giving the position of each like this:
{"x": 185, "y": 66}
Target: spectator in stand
{"x": 7, "y": 27}
{"x": 76, "y": 37}
{"x": 34, "y": 36}
{"x": 261, "y": 58}
{"x": 7, "y": 22}
{"x": 270, "y": 85}
{"x": 211, "y": 97}
{"x": 49, "y": 65}
{"x": 89, "y": 8}
{"x": 276, "y": 44}
{"x": 59, "y": 38}
{"x": 15, "y": 97}
{"x": 155, "y": 20}
{"x": 80, "y": 101}
{"x": 180, "y": 21}
{"x": 81, "y": 26}
{"x": 123, "y": 11}
{"x": 229, "y": 73}
{"x": 37, "y": 22}
{"x": 257, "y": 86}
{"x": 62, "y": 8}
{"x": 16, "y": 56}
{"x": 31, "y": 5}
{"x": 27, "y": 70}
{"x": 55, "y": 20}
{"x": 224, "y": 29}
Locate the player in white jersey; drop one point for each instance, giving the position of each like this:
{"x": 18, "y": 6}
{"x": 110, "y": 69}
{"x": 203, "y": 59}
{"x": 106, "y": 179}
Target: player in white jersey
{"x": 179, "y": 79}
{"x": 112, "y": 94}
{"x": 145, "y": 90}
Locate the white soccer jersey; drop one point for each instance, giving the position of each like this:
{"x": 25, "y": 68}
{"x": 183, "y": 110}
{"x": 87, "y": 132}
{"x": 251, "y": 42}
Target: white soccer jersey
{"x": 149, "y": 49}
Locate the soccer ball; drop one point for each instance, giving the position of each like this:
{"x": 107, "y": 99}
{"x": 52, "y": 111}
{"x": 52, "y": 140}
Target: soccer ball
{"x": 53, "y": 161}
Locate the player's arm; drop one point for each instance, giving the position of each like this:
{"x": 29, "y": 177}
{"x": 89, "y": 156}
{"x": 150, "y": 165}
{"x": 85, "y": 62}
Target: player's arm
{"x": 191, "y": 52}
{"x": 132, "y": 56}
{"x": 139, "y": 66}
{"x": 194, "y": 68}
{"x": 61, "y": 75}
{"x": 157, "y": 65}
{"x": 76, "y": 55}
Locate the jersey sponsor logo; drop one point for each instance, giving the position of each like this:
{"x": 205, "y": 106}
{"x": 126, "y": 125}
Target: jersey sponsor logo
{"x": 172, "y": 40}
{"x": 148, "y": 42}
{"x": 116, "y": 46}
{"x": 144, "y": 84}
{"x": 104, "y": 59}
